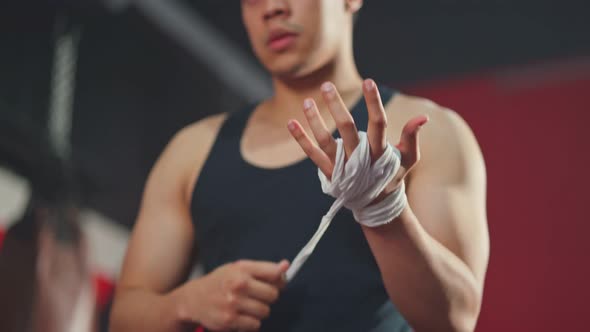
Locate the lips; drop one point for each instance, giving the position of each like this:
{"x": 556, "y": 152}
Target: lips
{"x": 280, "y": 40}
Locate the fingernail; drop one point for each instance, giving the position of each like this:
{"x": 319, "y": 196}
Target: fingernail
{"x": 307, "y": 104}
{"x": 425, "y": 122}
{"x": 327, "y": 87}
{"x": 291, "y": 125}
{"x": 369, "y": 84}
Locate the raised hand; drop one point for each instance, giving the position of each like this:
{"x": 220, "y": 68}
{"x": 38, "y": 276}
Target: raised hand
{"x": 323, "y": 153}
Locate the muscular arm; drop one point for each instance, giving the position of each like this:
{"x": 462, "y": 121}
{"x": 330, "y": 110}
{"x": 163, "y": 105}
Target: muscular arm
{"x": 161, "y": 242}
{"x": 434, "y": 256}
{"x": 236, "y": 296}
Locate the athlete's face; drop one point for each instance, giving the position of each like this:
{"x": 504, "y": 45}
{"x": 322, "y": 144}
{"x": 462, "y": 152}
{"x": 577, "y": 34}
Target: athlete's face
{"x": 294, "y": 37}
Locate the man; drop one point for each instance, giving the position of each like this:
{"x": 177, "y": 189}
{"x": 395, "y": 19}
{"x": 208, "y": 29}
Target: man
{"x": 240, "y": 189}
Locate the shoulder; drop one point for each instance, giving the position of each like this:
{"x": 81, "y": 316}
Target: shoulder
{"x": 405, "y": 107}
{"x": 193, "y": 141}
{"x": 446, "y": 142}
{"x": 186, "y": 152}
{"x": 206, "y": 128}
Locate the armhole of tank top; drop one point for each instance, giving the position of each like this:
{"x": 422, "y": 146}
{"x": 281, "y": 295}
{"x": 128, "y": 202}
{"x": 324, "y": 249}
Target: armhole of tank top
{"x": 387, "y": 106}
{"x": 197, "y": 171}
{"x": 393, "y": 93}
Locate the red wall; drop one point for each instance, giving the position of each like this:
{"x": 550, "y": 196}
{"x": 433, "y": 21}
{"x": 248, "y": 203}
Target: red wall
{"x": 533, "y": 125}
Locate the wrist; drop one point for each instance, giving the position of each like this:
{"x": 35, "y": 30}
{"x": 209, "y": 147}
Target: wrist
{"x": 392, "y": 186}
{"x": 179, "y": 310}
{"x": 385, "y": 211}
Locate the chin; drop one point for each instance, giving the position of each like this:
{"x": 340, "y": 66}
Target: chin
{"x": 288, "y": 72}
{"x": 290, "y": 67}
{"x": 285, "y": 71}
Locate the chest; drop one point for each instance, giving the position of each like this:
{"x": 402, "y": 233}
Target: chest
{"x": 250, "y": 213}
{"x": 269, "y": 146}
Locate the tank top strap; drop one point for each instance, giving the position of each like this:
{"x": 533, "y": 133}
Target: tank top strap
{"x": 234, "y": 125}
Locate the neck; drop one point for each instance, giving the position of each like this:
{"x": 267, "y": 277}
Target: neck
{"x": 289, "y": 93}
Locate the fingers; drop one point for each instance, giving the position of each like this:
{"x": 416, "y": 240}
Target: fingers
{"x": 262, "y": 291}
{"x": 246, "y": 323}
{"x": 377, "y": 119}
{"x": 319, "y": 157}
{"x": 409, "y": 144}
{"x": 264, "y": 271}
{"x": 283, "y": 266}
{"x": 342, "y": 116}
{"x": 253, "y": 308}
{"x": 254, "y": 296}
{"x": 319, "y": 129}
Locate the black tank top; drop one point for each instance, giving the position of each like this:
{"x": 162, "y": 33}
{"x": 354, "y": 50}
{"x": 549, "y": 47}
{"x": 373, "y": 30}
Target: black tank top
{"x": 242, "y": 211}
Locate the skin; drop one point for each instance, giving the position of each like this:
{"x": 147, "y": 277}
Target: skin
{"x": 433, "y": 258}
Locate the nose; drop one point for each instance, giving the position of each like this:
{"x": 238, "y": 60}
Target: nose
{"x": 276, "y": 8}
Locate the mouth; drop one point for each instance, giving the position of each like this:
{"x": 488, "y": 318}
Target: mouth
{"x": 280, "y": 40}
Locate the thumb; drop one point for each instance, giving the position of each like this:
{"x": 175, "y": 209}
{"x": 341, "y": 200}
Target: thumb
{"x": 283, "y": 267}
{"x": 409, "y": 146}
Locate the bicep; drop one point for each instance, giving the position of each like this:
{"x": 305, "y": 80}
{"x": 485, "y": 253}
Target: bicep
{"x": 161, "y": 242}
{"x": 447, "y": 193}
{"x": 159, "y": 250}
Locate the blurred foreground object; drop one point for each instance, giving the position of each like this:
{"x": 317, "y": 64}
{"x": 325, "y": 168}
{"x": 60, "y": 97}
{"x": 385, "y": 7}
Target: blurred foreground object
{"x": 45, "y": 282}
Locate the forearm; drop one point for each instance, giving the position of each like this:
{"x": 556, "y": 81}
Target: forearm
{"x": 141, "y": 310}
{"x": 432, "y": 287}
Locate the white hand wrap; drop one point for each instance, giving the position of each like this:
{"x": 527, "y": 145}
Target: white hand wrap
{"x": 358, "y": 183}
{"x": 355, "y": 185}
